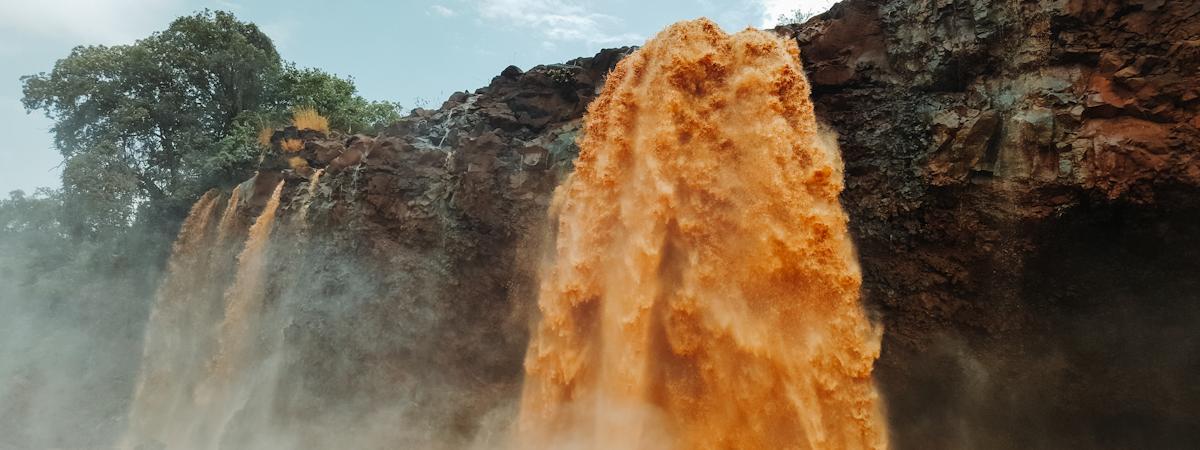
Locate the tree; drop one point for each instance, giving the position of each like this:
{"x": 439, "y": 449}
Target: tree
{"x": 153, "y": 104}
{"x": 158, "y": 122}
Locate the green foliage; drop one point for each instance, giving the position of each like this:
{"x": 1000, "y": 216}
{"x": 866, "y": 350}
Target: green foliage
{"x": 31, "y": 226}
{"x": 22, "y": 213}
{"x": 99, "y": 189}
{"x": 335, "y": 98}
{"x": 142, "y": 110}
{"x": 41, "y": 257}
{"x": 156, "y": 123}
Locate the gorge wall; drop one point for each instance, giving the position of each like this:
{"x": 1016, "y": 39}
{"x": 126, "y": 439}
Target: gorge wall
{"x": 1021, "y": 179}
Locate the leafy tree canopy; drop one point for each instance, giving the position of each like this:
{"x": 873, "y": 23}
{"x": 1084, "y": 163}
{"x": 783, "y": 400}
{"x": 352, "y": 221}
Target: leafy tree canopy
{"x": 145, "y": 128}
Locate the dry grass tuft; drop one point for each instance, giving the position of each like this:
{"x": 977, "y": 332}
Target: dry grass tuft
{"x": 292, "y": 145}
{"x": 307, "y": 118}
{"x": 297, "y": 163}
{"x": 264, "y": 136}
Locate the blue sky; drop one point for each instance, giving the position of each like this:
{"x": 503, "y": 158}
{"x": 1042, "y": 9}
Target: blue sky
{"x": 413, "y": 52}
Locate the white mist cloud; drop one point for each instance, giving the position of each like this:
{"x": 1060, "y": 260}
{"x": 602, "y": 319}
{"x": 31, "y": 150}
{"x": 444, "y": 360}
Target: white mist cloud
{"x": 558, "y": 20}
{"x": 89, "y": 21}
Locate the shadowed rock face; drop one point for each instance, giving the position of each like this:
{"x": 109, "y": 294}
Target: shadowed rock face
{"x": 1022, "y": 181}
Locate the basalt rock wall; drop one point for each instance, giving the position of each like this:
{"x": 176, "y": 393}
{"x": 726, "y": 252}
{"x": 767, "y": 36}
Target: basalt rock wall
{"x": 1022, "y": 181}
{"x": 1022, "y": 178}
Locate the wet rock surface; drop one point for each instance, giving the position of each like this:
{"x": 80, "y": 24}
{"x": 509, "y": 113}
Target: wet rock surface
{"x": 1022, "y": 179}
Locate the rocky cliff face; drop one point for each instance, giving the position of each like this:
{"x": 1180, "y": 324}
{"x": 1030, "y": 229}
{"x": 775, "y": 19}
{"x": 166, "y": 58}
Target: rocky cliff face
{"x": 426, "y": 238}
{"x": 1022, "y": 179}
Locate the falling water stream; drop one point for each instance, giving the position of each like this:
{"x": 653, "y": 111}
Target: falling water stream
{"x": 172, "y": 357}
{"x": 309, "y": 194}
{"x": 186, "y": 391}
{"x": 703, "y": 292}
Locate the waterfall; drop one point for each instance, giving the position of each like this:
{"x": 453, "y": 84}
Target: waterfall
{"x": 703, "y": 292}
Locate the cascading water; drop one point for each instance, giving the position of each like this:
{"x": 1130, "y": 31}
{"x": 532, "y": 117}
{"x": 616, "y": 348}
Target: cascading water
{"x": 703, "y": 292}
{"x": 311, "y": 193}
{"x": 192, "y": 367}
{"x": 225, "y": 227}
{"x": 244, "y": 299}
{"x": 225, "y": 393}
{"x": 170, "y": 362}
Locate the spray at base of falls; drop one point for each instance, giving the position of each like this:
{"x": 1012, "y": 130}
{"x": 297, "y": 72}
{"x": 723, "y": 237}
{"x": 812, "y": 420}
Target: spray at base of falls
{"x": 703, "y": 292}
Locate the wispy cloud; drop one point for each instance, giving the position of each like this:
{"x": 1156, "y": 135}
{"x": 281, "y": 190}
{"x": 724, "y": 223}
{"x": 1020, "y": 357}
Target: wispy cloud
{"x": 558, "y": 20}
{"x": 442, "y": 11}
{"x": 90, "y": 21}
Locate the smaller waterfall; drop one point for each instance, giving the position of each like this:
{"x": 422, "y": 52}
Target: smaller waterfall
{"x": 309, "y": 195}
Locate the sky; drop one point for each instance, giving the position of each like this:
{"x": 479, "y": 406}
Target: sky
{"x": 413, "y": 52}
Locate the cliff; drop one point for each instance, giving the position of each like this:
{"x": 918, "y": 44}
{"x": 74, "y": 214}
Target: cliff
{"x": 1022, "y": 179}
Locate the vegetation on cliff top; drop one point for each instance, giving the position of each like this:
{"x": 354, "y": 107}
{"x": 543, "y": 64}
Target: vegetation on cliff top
{"x": 145, "y": 128}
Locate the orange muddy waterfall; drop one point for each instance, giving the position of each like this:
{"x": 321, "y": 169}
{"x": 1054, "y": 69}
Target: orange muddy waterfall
{"x": 243, "y": 301}
{"x": 195, "y": 373}
{"x": 704, "y": 291}
{"x": 169, "y": 364}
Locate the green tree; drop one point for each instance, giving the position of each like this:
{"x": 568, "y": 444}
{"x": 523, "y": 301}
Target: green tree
{"x": 152, "y": 105}
{"x": 158, "y": 122}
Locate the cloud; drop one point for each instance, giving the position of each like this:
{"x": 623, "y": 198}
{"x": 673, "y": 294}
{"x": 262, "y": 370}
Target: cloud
{"x": 772, "y": 10}
{"x": 442, "y": 11}
{"x": 558, "y": 20}
{"x": 91, "y": 21}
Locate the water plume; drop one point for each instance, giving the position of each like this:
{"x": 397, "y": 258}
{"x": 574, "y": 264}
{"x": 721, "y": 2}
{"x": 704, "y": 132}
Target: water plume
{"x": 703, "y": 291}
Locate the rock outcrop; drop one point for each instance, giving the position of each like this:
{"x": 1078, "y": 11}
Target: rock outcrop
{"x": 1022, "y": 179}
